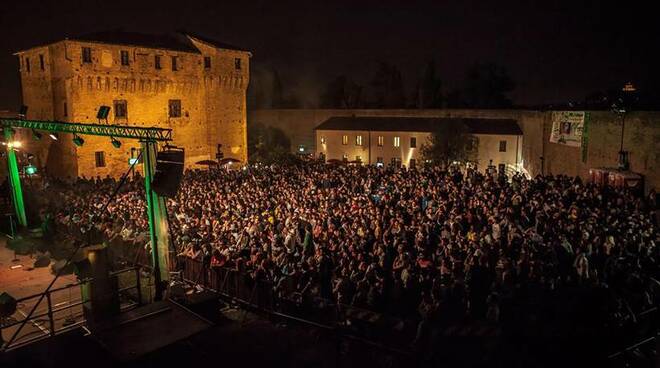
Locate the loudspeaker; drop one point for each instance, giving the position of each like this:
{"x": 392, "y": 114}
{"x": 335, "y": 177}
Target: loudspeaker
{"x": 7, "y": 305}
{"x": 103, "y": 112}
{"x": 169, "y": 171}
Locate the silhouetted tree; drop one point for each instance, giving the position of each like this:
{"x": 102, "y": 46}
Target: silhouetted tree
{"x": 276, "y": 93}
{"x": 487, "y": 86}
{"x": 267, "y": 144}
{"x": 387, "y": 87}
{"x": 450, "y": 142}
{"x": 342, "y": 93}
{"x": 429, "y": 88}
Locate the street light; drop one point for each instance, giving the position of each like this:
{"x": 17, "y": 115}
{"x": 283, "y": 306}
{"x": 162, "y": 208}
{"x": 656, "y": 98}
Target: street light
{"x": 621, "y": 107}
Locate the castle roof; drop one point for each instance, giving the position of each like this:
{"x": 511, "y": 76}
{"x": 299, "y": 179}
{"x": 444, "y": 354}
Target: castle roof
{"x": 179, "y": 41}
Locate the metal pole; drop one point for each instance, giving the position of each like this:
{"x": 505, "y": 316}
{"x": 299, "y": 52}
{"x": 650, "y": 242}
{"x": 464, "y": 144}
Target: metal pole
{"x": 14, "y": 178}
{"x": 158, "y": 227}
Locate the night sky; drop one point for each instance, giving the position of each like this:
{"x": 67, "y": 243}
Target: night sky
{"x": 555, "y": 50}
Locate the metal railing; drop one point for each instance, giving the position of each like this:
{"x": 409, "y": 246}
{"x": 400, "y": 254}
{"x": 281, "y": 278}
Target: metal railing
{"x": 63, "y": 309}
{"x": 374, "y": 328}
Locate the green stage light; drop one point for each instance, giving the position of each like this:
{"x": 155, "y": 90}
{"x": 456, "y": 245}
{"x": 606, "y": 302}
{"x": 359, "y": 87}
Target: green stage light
{"x": 30, "y": 169}
{"x": 77, "y": 140}
{"x": 115, "y": 142}
{"x": 36, "y": 135}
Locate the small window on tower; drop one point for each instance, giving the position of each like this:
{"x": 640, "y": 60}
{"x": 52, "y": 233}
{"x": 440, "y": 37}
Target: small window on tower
{"x": 41, "y": 62}
{"x": 237, "y": 63}
{"x": 413, "y": 142}
{"x": 157, "y": 62}
{"x": 87, "y": 55}
{"x": 207, "y": 62}
{"x": 66, "y": 110}
{"x": 358, "y": 140}
{"x": 99, "y": 157}
{"x": 502, "y": 146}
{"x": 175, "y": 108}
{"x": 344, "y": 139}
{"x": 121, "y": 109}
{"x": 27, "y": 64}
{"x": 124, "y": 57}
{"x": 175, "y": 66}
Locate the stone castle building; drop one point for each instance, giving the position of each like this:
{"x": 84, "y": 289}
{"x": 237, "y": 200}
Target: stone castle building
{"x": 193, "y": 85}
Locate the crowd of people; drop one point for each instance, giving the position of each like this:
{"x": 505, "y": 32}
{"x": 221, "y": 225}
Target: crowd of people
{"x": 425, "y": 242}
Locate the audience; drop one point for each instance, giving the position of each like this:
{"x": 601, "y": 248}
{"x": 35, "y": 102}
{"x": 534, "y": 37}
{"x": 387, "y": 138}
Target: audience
{"x": 435, "y": 245}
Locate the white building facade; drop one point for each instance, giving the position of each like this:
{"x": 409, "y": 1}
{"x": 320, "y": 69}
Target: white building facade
{"x": 398, "y": 140}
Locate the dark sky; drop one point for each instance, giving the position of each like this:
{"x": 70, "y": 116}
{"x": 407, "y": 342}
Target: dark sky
{"x": 554, "y": 50}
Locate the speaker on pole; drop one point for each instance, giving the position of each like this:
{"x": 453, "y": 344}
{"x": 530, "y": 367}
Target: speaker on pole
{"x": 169, "y": 171}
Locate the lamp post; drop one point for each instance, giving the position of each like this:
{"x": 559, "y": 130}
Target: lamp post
{"x": 622, "y": 107}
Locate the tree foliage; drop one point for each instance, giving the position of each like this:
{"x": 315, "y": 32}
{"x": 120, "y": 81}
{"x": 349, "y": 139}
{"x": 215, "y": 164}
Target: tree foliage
{"x": 429, "y": 89}
{"x": 487, "y": 86}
{"x": 342, "y": 93}
{"x": 267, "y": 144}
{"x": 450, "y": 142}
{"x": 387, "y": 87}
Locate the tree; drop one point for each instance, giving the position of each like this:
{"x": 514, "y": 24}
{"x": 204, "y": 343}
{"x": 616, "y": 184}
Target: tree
{"x": 267, "y": 144}
{"x": 429, "y": 88}
{"x": 342, "y": 93}
{"x": 387, "y": 87}
{"x": 487, "y": 86}
{"x": 450, "y": 142}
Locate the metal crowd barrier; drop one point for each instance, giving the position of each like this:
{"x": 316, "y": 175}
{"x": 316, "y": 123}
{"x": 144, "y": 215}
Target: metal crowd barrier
{"x": 284, "y": 300}
{"x": 63, "y": 310}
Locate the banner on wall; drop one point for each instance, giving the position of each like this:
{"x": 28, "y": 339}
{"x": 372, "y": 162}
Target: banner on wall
{"x": 567, "y": 127}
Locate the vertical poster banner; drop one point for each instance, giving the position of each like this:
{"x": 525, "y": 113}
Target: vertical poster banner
{"x": 585, "y": 138}
{"x": 567, "y": 127}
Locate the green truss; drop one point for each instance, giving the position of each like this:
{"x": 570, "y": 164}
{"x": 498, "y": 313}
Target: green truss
{"x": 106, "y": 130}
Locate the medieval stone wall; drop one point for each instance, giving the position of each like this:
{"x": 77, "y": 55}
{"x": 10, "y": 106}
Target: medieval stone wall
{"x": 212, "y": 101}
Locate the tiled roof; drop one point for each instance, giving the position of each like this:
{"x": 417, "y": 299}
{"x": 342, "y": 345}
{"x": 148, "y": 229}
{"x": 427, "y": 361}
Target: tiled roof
{"x": 414, "y": 124}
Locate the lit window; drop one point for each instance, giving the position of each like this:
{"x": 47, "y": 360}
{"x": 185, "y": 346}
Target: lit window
{"x": 358, "y": 140}
{"x": 87, "y": 55}
{"x": 502, "y": 146}
{"x": 397, "y": 141}
{"x": 174, "y": 108}
{"x": 157, "y": 62}
{"x": 381, "y": 140}
{"x": 124, "y": 57}
{"x": 121, "y": 109}
{"x": 207, "y": 62}
{"x": 99, "y": 157}
{"x": 344, "y": 139}
{"x": 344, "y": 157}
{"x": 413, "y": 142}
{"x": 322, "y": 140}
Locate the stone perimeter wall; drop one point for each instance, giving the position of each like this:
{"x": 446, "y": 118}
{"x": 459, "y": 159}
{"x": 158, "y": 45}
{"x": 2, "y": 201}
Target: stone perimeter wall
{"x": 641, "y": 137}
